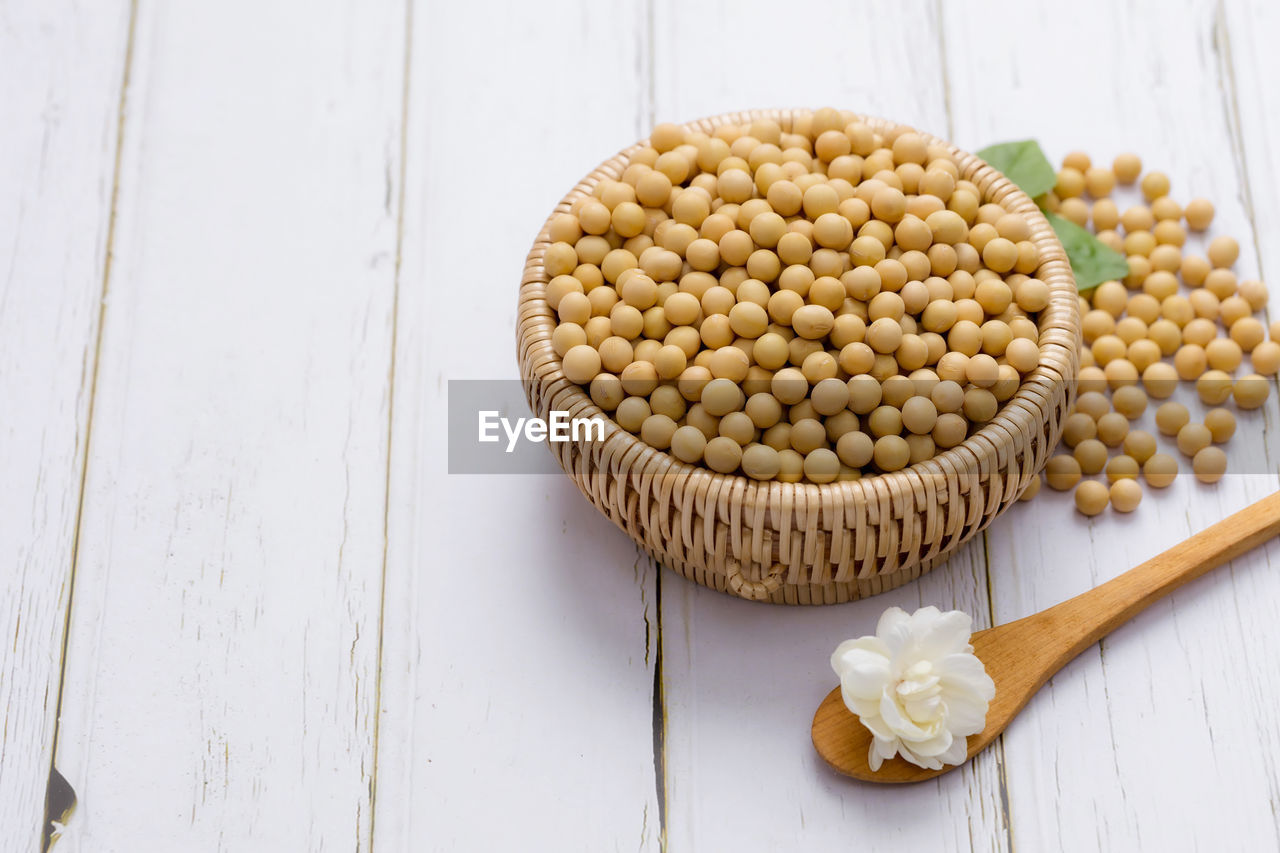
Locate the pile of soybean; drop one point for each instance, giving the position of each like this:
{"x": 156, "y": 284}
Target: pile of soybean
{"x": 809, "y": 304}
{"x": 1178, "y": 316}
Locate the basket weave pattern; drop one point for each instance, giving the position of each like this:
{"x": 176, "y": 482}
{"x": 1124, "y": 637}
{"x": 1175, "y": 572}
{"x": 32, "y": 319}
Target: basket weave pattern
{"x": 804, "y": 543}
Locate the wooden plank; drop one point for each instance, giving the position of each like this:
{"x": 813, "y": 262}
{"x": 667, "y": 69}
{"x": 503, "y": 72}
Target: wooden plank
{"x": 221, "y": 679}
{"x": 520, "y": 626}
{"x": 741, "y": 680}
{"x": 1242, "y": 50}
{"x": 1159, "y": 737}
{"x": 61, "y": 70}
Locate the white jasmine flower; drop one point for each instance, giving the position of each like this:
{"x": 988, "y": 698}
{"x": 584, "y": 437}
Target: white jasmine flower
{"x": 916, "y": 685}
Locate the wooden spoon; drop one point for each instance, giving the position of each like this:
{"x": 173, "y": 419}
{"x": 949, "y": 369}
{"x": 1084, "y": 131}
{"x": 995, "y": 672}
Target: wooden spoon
{"x": 1021, "y": 656}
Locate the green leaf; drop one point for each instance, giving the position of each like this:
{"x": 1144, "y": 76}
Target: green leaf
{"x": 1024, "y": 164}
{"x": 1092, "y": 261}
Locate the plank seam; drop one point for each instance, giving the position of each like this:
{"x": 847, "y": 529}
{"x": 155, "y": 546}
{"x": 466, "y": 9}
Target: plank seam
{"x": 47, "y": 827}
{"x": 1221, "y": 42}
{"x": 659, "y": 715}
{"x": 939, "y": 17}
{"x": 1002, "y": 775}
{"x": 391, "y": 401}
{"x": 998, "y": 747}
{"x": 645, "y": 61}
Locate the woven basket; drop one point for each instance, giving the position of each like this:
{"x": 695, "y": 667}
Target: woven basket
{"x": 804, "y": 543}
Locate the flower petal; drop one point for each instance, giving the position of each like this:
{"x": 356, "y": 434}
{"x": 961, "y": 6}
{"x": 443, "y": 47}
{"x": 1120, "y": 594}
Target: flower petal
{"x": 966, "y": 712}
{"x": 930, "y": 747}
{"x": 916, "y": 686}
{"x": 923, "y": 617}
{"x": 866, "y": 679}
{"x": 874, "y": 724}
{"x": 957, "y": 753}
{"x": 918, "y": 760}
{"x": 865, "y": 708}
{"x": 927, "y": 712}
{"x": 894, "y": 629}
{"x": 872, "y": 645}
{"x": 898, "y": 721}
{"x": 965, "y": 671}
{"x": 874, "y": 758}
{"x": 947, "y": 634}
{"x": 887, "y": 748}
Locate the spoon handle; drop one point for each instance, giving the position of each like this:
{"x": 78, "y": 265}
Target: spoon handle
{"x": 1082, "y": 621}
{"x": 1021, "y": 656}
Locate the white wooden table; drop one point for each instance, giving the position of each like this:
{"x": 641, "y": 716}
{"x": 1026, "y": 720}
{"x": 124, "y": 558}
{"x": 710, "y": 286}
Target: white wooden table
{"x": 243, "y": 607}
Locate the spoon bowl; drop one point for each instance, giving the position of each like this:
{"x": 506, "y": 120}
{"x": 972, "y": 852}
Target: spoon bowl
{"x": 1021, "y": 656}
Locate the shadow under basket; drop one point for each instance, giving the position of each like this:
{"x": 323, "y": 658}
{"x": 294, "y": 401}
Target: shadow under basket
{"x": 803, "y": 543}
